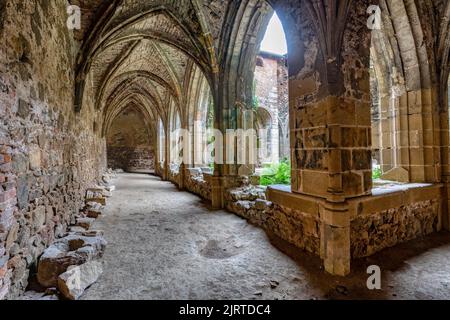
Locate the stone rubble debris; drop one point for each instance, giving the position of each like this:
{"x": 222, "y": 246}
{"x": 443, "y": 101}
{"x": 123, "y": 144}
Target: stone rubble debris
{"x": 72, "y": 263}
{"x": 77, "y": 279}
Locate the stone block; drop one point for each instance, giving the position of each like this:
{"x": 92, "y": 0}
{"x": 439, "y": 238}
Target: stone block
{"x": 361, "y": 159}
{"x": 12, "y": 236}
{"x": 68, "y": 251}
{"x": 24, "y": 109}
{"x": 85, "y": 223}
{"x": 77, "y": 279}
{"x": 3, "y": 266}
{"x": 39, "y": 217}
{"x": 100, "y": 200}
{"x": 261, "y": 204}
{"x": 35, "y": 158}
{"x": 22, "y": 192}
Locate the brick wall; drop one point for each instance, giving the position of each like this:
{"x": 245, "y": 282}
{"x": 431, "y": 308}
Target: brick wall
{"x": 271, "y": 92}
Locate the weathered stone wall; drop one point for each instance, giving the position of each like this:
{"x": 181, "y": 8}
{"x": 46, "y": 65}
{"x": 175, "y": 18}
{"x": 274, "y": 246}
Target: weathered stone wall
{"x": 174, "y": 174}
{"x": 198, "y": 183}
{"x": 49, "y": 154}
{"x": 130, "y": 142}
{"x": 131, "y": 159}
{"x": 298, "y": 228}
{"x": 374, "y": 232}
{"x": 271, "y": 93}
{"x": 379, "y": 223}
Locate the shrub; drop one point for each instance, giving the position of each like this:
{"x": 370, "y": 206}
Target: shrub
{"x": 376, "y": 173}
{"x": 279, "y": 173}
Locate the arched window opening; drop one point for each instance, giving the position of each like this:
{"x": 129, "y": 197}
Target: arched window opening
{"x": 387, "y": 88}
{"x": 271, "y": 106}
{"x": 161, "y": 143}
{"x": 176, "y": 155}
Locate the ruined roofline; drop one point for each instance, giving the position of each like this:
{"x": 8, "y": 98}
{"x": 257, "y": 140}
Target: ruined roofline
{"x": 271, "y": 55}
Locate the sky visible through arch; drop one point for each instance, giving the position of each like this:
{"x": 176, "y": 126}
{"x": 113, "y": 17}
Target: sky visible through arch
{"x": 275, "y": 38}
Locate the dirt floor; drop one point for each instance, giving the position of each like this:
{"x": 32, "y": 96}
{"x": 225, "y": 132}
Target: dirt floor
{"x": 166, "y": 244}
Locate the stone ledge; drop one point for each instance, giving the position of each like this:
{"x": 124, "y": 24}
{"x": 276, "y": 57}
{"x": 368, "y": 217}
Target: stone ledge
{"x": 388, "y": 198}
{"x": 282, "y": 195}
{"x": 394, "y": 197}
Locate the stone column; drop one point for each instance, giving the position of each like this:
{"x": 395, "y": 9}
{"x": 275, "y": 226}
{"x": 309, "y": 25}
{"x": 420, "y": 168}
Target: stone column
{"x": 335, "y": 238}
{"x": 331, "y": 149}
{"x": 217, "y": 199}
{"x": 165, "y": 171}
{"x": 182, "y": 172}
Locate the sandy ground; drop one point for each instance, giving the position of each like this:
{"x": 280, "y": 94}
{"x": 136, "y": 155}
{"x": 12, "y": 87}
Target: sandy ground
{"x": 166, "y": 244}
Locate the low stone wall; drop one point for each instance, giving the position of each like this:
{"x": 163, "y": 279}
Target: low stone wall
{"x": 376, "y": 222}
{"x": 174, "y": 174}
{"x": 386, "y": 220}
{"x": 198, "y": 183}
{"x": 299, "y": 228}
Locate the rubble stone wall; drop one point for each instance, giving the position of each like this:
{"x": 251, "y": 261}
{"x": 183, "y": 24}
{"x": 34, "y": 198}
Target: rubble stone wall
{"x": 198, "y": 183}
{"x": 374, "y": 232}
{"x": 299, "y": 228}
{"x": 131, "y": 159}
{"x": 131, "y": 142}
{"x": 49, "y": 154}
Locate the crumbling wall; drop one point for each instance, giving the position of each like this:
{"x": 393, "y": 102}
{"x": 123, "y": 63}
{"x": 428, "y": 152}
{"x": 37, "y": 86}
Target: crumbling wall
{"x": 48, "y": 153}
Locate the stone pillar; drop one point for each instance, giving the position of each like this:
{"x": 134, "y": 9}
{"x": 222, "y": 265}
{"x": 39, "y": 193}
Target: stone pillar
{"x": 331, "y": 149}
{"x": 335, "y": 238}
{"x": 445, "y": 219}
{"x": 217, "y": 199}
{"x": 165, "y": 171}
{"x": 182, "y": 172}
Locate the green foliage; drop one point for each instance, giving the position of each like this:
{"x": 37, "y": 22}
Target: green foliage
{"x": 279, "y": 173}
{"x": 376, "y": 173}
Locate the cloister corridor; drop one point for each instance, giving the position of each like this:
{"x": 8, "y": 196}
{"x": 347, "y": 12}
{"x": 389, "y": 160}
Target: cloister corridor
{"x": 225, "y": 150}
{"x": 167, "y": 244}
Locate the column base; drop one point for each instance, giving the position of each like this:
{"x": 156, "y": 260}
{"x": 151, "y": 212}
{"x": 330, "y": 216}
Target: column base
{"x": 335, "y": 238}
{"x": 217, "y": 199}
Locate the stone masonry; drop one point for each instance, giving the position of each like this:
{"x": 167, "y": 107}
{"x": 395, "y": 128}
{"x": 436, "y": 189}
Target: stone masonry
{"x": 113, "y": 88}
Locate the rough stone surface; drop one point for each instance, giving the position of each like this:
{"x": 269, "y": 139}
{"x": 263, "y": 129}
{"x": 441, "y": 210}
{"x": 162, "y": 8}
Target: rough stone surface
{"x": 71, "y": 250}
{"x": 372, "y": 233}
{"x": 76, "y": 279}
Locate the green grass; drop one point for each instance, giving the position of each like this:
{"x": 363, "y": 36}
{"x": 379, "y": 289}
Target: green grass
{"x": 279, "y": 173}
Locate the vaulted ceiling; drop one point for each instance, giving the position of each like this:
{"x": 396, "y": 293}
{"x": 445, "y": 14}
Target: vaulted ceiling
{"x": 144, "y": 50}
